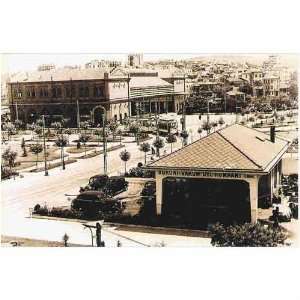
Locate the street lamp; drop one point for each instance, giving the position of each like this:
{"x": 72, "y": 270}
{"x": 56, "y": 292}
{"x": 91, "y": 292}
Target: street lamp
{"x": 45, "y": 154}
{"x": 104, "y": 136}
{"x": 98, "y": 228}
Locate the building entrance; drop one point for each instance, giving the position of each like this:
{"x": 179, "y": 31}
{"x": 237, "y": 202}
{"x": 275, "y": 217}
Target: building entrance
{"x": 202, "y": 202}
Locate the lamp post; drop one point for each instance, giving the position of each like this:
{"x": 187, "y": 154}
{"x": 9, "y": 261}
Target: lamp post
{"x": 98, "y": 228}
{"x": 45, "y": 154}
{"x": 104, "y": 136}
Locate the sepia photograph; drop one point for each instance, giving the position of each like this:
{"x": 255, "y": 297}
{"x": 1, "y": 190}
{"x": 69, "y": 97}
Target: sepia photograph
{"x": 149, "y": 150}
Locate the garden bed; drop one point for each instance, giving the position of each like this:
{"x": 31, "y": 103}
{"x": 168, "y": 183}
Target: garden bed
{"x": 54, "y": 165}
{"x": 75, "y": 150}
{"x": 93, "y": 154}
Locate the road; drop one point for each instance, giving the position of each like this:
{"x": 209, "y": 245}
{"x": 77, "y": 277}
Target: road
{"x": 18, "y": 195}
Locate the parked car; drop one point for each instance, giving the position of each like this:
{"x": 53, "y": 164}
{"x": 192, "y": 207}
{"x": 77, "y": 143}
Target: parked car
{"x": 93, "y": 202}
{"x": 285, "y": 213}
{"x": 110, "y": 185}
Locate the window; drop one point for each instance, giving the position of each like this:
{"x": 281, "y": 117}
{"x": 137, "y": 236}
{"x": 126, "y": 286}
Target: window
{"x": 68, "y": 92}
{"x": 87, "y": 92}
{"x": 81, "y": 91}
{"x": 97, "y": 91}
{"x": 58, "y": 91}
{"x": 54, "y": 95}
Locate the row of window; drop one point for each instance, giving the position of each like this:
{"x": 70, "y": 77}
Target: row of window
{"x": 56, "y": 92}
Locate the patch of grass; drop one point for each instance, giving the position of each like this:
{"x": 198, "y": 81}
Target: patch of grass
{"x": 54, "y": 165}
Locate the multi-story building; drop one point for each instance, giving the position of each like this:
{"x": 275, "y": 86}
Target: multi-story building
{"x": 100, "y": 64}
{"x": 271, "y": 85}
{"x": 74, "y": 93}
{"x": 135, "y": 60}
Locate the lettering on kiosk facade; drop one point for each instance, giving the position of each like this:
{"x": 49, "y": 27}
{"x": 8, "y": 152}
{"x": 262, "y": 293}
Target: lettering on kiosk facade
{"x": 203, "y": 174}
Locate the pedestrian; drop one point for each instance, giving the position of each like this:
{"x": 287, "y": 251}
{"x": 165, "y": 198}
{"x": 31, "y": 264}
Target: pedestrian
{"x": 276, "y": 217}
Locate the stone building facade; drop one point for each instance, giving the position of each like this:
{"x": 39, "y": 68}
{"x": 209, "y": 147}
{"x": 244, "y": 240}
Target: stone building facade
{"x": 73, "y": 93}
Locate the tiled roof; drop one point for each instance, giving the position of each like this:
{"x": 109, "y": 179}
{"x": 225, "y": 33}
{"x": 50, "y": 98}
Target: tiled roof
{"x": 140, "y": 82}
{"x": 59, "y": 75}
{"x": 235, "y": 147}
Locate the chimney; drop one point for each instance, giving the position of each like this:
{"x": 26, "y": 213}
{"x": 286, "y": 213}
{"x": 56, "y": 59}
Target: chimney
{"x": 272, "y": 134}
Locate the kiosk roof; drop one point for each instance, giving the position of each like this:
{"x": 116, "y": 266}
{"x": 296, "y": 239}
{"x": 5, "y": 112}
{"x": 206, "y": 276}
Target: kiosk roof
{"x": 235, "y": 147}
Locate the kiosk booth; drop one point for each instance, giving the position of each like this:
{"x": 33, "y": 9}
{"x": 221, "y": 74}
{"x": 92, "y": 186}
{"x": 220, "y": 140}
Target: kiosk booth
{"x": 224, "y": 177}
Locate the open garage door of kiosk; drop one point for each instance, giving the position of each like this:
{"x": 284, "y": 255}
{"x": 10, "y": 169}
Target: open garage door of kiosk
{"x": 201, "y": 202}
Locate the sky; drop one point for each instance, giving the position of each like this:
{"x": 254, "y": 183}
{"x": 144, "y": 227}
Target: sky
{"x": 27, "y": 62}
{"x": 12, "y": 63}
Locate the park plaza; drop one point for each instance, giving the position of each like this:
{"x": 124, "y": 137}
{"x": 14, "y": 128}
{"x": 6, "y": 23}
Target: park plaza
{"x": 224, "y": 177}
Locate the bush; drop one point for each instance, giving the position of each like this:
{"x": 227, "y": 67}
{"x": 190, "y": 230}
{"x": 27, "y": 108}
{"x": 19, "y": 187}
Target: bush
{"x": 36, "y": 208}
{"x": 246, "y": 235}
{"x": 139, "y": 172}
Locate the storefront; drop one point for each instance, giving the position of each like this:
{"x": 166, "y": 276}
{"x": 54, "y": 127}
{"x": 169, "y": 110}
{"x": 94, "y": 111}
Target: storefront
{"x": 225, "y": 176}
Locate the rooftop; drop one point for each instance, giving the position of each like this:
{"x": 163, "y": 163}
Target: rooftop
{"x": 141, "y": 82}
{"x": 235, "y": 147}
{"x": 59, "y": 75}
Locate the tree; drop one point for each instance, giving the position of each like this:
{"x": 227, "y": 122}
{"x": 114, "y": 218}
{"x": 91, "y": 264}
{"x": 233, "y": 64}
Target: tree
{"x": 36, "y": 149}
{"x": 135, "y": 128}
{"x": 221, "y": 121}
{"x": 24, "y": 152}
{"x": 119, "y": 132}
{"x": 31, "y": 127}
{"x": 184, "y": 134}
{"x": 158, "y": 144}
{"x": 170, "y": 139}
{"x": 290, "y": 115}
{"x": 214, "y": 125}
{"x": 40, "y": 122}
{"x": 98, "y": 132}
{"x": 84, "y": 138}
{"x": 85, "y": 126}
{"x": 38, "y": 130}
{"x": 206, "y": 126}
{"x": 113, "y": 127}
{"x": 199, "y": 131}
{"x": 57, "y": 126}
{"x": 125, "y": 156}
{"x": 19, "y": 124}
{"x": 247, "y": 235}
{"x": 62, "y": 142}
{"x": 23, "y": 143}
{"x": 145, "y": 147}
{"x": 9, "y": 156}
{"x": 68, "y": 131}
{"x": 251, "y": 119}
{"x": 11, "y": 130}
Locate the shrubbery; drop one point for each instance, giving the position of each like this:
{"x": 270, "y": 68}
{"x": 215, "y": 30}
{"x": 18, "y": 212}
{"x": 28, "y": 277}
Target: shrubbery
{"x": 247, "y": 235}
{"x": 139, "y": 172}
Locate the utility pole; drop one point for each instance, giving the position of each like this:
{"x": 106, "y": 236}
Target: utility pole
{"x": 78, "y": 115}
{"x": 207, "y": 110}
{"x": 128, "y": 96}
{"x": 183, "y": 106}
{"x": 156, "y": 121}
{"x": 17, "y": 115}
{"x": 45, "y": 154}
{"x": 104, "y": 143}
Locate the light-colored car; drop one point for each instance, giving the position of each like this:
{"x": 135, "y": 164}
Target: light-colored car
{"x": 285, "y": 213}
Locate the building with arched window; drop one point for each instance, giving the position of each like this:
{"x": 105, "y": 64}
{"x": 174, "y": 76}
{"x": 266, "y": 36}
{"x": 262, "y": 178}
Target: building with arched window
{"x": 75, "y": 92}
